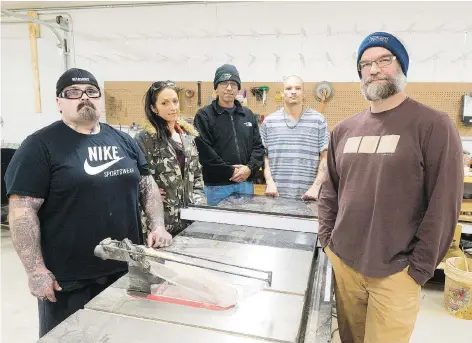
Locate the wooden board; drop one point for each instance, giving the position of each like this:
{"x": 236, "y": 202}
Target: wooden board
{"x": 125, "y": 105}
{"x": 33, "y": 30}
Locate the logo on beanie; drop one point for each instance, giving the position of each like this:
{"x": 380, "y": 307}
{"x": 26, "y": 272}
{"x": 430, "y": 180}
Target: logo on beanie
{"x": 225, "y": 76}
{"x": 80, "y": 79}
{"x": 378, "y": 38}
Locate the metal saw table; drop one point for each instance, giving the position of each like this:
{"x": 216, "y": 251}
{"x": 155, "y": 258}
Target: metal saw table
{"x": 277, "y": 235}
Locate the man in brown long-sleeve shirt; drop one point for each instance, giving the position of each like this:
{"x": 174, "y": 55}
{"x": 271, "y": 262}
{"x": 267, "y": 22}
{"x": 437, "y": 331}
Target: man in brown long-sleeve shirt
{"x": 391, "y": 199}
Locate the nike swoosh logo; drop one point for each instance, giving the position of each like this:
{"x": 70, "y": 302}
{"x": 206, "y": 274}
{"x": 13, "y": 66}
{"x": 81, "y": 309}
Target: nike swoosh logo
{"x": 98, "y": 169}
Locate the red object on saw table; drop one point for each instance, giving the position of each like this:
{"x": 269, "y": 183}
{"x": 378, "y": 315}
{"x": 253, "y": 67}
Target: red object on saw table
{"x": 184, "y": 302}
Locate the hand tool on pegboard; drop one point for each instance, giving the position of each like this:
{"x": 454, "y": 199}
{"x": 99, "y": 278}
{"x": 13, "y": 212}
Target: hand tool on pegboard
{"x": 189, "y": 94}
{"x": 278, "y": 97}
{"x": 199, "y": 91}
{"x": 179, "y": 96}
{"x": 260, "y": 93}
{"x": 323, "y": 92}
{"x": 264, "y": 90}
{"x": 257, "y": 93}
{"x": 149, "y": 268}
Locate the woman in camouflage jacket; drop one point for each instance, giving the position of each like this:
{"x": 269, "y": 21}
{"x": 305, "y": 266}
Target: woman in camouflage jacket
{"x": 168, "y": 144}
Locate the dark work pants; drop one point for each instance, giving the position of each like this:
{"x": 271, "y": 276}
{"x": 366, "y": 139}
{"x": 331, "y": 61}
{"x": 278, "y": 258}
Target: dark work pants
{"x": 73, "y": 297}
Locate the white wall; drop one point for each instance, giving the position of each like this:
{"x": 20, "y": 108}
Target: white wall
{"x": 317, "y": 40}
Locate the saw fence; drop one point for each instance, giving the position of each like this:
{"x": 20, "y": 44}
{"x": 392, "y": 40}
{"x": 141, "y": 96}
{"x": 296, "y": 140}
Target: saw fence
{"x": 124, "y": 101}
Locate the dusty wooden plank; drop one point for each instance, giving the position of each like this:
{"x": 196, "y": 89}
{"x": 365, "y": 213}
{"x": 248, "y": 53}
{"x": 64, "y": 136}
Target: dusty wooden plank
{"x": 33, "y": 29}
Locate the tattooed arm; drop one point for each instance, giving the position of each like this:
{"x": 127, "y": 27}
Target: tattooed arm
{"x": 151, "y": 203}
{"x": 322, "y": 168}
{"x": 314, "y": 191}
{"x": 26, "y": 238}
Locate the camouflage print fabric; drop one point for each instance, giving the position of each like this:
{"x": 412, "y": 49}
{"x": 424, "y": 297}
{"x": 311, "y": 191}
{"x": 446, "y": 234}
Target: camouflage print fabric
{"x": 165, "y": 169}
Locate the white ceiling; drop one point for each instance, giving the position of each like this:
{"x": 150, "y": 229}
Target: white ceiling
{"x": 22, "y": 5}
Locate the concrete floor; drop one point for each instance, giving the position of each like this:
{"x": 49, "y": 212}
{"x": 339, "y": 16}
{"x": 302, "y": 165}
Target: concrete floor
{"x": 19, "y": 323}
{"x": 19, "y": 315}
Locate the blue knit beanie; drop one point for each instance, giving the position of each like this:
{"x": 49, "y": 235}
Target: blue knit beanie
{"x": 389, "y": 42}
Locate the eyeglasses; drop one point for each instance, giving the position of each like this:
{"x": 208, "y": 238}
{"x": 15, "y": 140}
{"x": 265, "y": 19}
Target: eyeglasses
{"x": 76, "y": 93}
{"x": 225, "y": 84}
{"x": 380, "y": 62}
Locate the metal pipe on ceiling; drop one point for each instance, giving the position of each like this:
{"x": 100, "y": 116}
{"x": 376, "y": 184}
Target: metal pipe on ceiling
{"x": 66, "y": 27}
{"x": 24, "y": 22}
{"x": 53, "y": 26}
{"x": 14, "y": 22}
{"x": 138, "y": 4}
{"x": 69, "y": 35}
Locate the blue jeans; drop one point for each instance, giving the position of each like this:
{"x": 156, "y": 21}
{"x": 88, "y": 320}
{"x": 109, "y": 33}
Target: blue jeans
{"x": 215, "y": 194}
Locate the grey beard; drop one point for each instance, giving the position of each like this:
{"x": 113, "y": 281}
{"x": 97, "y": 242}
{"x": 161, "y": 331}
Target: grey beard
{"x": 380, "y": 91}
{"x": 87, "y": 113}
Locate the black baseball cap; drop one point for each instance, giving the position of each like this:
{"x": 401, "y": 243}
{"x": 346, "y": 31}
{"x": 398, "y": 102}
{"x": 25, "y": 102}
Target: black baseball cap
{"x": 75, "y": 76}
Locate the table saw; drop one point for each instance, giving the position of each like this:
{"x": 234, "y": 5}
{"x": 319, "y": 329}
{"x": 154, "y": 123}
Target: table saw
{"x": 272, "y": 242}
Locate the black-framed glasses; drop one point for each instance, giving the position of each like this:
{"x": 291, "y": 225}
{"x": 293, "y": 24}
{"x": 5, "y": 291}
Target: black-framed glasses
{"x": 380, "y": 62}
{"x": 225, "y": 84}
{"x": 76, "y": 93}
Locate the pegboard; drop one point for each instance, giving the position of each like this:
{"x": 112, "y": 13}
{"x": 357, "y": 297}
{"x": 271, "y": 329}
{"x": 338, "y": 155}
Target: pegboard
{"x": 124, "y": 101}
{"x": 445, "y": 97}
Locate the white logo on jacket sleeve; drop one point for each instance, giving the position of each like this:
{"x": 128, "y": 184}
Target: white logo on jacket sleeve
{"x": 107, "y": 155}
{"x": 248, "y": 124}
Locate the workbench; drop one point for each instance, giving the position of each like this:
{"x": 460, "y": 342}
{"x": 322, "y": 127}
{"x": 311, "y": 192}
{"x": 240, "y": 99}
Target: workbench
{"x": 277, "y": 235}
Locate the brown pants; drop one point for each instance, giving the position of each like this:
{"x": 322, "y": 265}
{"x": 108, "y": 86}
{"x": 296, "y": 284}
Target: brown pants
{"x": 374, "y": 310}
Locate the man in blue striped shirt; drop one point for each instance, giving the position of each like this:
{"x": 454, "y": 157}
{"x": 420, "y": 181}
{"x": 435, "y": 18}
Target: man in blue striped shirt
{"x": 296, "y": 142}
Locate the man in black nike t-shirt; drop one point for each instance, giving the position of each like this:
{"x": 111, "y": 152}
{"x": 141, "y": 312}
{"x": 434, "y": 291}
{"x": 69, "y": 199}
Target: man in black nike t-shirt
{"x": 71, "y": 185}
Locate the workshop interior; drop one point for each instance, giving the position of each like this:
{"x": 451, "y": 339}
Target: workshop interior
{"x": 251, "y": 268}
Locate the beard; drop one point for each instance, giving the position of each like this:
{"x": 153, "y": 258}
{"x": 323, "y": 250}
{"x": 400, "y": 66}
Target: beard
{"x": 374, "y": 91}
{"x": 87, "y": 111}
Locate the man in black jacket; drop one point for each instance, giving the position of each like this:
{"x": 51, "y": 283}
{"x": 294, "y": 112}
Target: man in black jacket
{"x": 229, "y": 144}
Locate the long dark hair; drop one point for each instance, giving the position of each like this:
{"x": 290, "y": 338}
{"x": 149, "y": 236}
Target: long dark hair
{"x": 150, "y": 98}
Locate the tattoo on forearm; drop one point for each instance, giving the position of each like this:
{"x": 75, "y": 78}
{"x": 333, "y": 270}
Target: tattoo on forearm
{"x": 322, "y": 168}
{"x": 151, "y": 202}
{"x": 25, "y": 231}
